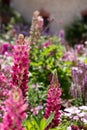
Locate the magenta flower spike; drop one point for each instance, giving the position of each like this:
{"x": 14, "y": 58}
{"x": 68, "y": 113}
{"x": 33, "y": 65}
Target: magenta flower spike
{"x": 53, "y": 102}
{"x": 21, "y": 64}
{"x": 15, "y": 108}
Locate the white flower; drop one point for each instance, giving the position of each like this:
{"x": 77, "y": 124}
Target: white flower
{"x": 69, "y": 128}
{"x": 83, "y": 108}
{"x": 72, "y": 110}
{"x": 82, "y": 114}
{"x": 84, "y": 120}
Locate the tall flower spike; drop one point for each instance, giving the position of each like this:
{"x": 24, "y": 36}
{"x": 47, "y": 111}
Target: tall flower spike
{"x": 53, "y": 101}
{"x": 36, "y": 27}
{"x": 21, "y": 64}
{"x": 79, "y": 76}
{"x": 14, "y": 111}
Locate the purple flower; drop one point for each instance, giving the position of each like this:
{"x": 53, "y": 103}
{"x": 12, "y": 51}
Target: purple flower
{"x": 36, "y": 110}
{"x": 62, "y": 36}
{"x": 79, "y": 75}
{"x": 69, "y": 56}
{"x": 79, "y": 49}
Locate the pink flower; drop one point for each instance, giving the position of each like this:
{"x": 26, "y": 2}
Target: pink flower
{"x": 36, "y": 110}
{"x": 74, "y": 127}
{"x": 20, "y": 67}
{"x": 46, "y": 44}
{"x": 40, "y": 22}
{"x": 79, "y": 49}
{"x": 53, "y": 102}
{"x": 7, "y": 48}
{"x": 15, "y": 111}
{"x": 69, "y": 56}
{"x": 60, "y": 21}
{"x": 4, "y": 86}
{"x": 62, "y": 36}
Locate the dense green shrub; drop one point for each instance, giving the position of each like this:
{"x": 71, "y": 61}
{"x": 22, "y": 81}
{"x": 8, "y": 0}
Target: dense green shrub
{"x": 44, "y": 60}
{"x": 76, "y": 32}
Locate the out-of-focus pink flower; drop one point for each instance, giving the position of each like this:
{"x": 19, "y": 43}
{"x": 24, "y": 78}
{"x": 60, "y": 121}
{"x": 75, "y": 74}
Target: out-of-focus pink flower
{"x": 40, "y": 22}
{"x": 46, "y": 44}
{"x": 84, "y": 120}
{"x": 36, "y": 110}
{"x": 14, "y": 111}
{"x": 7, "y": 48}
{"x": 62, "y": 36}
{"x": 4, "y": 86}
{"x": 74, "y": 127}
{"x": 60, "y": 21}
{"x": 69, "y": 56}
{"x": 76, "y": 118}
{"x": 79, "y": 49}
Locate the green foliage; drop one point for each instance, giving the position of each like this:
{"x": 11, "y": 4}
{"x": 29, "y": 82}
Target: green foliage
{"x": 36, "y": 124}
{"x": 45, "y": 60}
{"x": 36, "y": 96}
{"x": 64, "y": 79}
{"x": 76, "y": 32}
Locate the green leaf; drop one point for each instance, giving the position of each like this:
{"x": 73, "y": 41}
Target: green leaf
{"x": 27, "y": 125}
{"x": 48, "y": 121}
{"x": 43, "y": 124}
{"x": 36, "y": 123}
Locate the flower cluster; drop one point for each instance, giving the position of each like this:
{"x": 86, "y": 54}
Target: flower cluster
{"x": 37, "y": 26}
{"x": 62, "y": 36}
{"x": 5, "y": 78}
{"x": 69, "y": 56}
{"x": 76, "y": 114}
{"x": 79, "y": 49}
{"x": 14, "y": 111}
{"x": 13, "y": 88}
{"x": 4, "y": 86}
{"x": 36, "y": 110}
{"x": 46, "y": 44}
{"x": 20, "y": 67}
{"x": 79, "y": 75}
{"x": 53, "y": 102}
{"x": 73, "y": 128}
{"x": 4, "y": 90}
{"x": 7, "y": 49}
